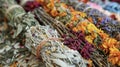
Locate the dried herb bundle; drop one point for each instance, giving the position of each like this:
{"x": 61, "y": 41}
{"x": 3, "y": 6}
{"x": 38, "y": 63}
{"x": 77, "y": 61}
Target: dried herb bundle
{"x": 12, "y": 37}
{"x": 12, "y": 52}
{"x": 46, "y": 19}
{"x": 44, "y": 41}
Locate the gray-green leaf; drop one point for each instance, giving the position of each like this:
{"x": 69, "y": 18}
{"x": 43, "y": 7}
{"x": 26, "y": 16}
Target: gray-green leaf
{"x": 19, "y": 29}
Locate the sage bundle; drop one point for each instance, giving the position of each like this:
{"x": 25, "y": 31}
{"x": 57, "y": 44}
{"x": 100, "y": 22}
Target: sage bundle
{"x": 12, "y": 52}
{"x": 44, "y": 42}
{"x": 12, "y": 37}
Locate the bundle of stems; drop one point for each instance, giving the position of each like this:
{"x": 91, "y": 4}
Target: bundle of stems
{"x": 46, "y": 19}
{"x": 45, "y": 43}
{"x": 12, "y": 51}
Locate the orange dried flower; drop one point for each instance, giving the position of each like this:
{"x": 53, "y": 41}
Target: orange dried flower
{"x": 62, "y": 14}
{"x": 103, "y": 35}
{"x": 52, "y": 3}
{"x": 90, "y": 63}
{"x": 46, "y": 9}
{"x": 74, "y": 18}
{"x": 71, "y": 9}
{"x": 114, "y": 56}
{"x": 54, "y": 13}
{"x": 90, "y": 19}
{"x": 64, "y": 5}
{"x": 108, "y": 43}
{"x": 14, "y": 64}
{"x": 75, "y": 29}
{"x": 40, "y": 1}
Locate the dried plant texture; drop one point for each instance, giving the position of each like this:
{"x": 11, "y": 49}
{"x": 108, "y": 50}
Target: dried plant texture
{"x": 28, "y": 61}
{"x": 12, "y": 52}
{"x": 18, "y": 18}
{"x": 46, "y": 19}
{"x": 102, "y": 21}
{"x": 23, "y": 21}
{"x": 96, "y": 55}
{"x": 52, "y": 51}
{"x": 52, "y": 9}
{"x": 12, "y": 38}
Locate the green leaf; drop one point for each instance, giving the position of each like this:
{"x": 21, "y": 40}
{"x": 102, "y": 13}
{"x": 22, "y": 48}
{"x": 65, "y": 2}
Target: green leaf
{"x": 98, "y": 40}
{"x": 19, "y": 29}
